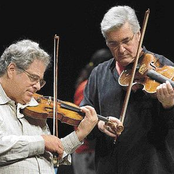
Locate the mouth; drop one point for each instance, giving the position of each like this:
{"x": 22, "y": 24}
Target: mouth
{"x": 125, "y": 59}
{"x": 124, "y": 56}
{"x": 30, "y": 93}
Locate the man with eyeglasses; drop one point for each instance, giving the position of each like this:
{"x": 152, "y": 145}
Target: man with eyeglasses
{"x": 146, "y": 145}
{"x": 34, "y": 78}
{"x": 26, "y": 144}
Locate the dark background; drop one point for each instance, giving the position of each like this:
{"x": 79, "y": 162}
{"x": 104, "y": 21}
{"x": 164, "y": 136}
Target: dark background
{"x": 77, "y": 23}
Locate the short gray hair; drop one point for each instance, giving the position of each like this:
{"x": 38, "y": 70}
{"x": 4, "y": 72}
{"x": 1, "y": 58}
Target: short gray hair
{"x": 118, "y": 16}
{"x": 23, "y": 53}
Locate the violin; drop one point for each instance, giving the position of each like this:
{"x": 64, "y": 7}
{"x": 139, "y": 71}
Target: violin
{"x": 67, "y": 112}
{"x": 149, "y": 74}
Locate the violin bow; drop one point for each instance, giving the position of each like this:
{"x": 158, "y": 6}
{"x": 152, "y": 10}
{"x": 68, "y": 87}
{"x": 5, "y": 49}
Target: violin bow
{"x": 123, "y": 112}
{"x": 56, "y": 49}
{"x": 55, "y": 120}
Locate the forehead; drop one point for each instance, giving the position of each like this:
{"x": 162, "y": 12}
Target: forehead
{"x": 118, "y": 34}
{"x": 37, "y": 67}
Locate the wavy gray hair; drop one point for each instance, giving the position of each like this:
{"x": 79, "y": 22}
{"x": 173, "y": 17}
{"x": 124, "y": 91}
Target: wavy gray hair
{"x": 116, "y": 17}
{"x": 23, "y": 53}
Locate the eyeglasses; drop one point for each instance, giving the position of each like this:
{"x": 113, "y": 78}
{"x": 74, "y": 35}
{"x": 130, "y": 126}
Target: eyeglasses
{"x": 124, "y": 42}
{"x": 34, "y": 78}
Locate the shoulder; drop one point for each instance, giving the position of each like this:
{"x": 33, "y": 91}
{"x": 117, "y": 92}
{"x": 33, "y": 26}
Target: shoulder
{"x": 104, "y": 66}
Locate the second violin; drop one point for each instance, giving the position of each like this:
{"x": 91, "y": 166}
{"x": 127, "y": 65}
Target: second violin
{"x": 150, "y": 74}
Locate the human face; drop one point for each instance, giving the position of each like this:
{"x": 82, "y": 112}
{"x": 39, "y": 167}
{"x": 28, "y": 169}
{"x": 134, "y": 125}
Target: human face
{"x": 123, "y": 44}
{"x": 23, "y": 85}
{"x": 34, "y": 78}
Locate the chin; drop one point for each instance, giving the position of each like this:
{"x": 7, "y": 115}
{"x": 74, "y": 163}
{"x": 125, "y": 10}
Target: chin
{"x": 26, "y": 100}
{"x": 126, "y": 61}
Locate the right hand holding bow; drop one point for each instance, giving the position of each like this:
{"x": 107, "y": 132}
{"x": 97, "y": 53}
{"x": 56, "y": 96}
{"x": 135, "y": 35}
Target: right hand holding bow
{"x": 111, "y": 128}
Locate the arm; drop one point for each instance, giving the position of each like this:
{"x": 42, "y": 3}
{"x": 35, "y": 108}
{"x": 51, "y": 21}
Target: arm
{"x": 71, "y": 142}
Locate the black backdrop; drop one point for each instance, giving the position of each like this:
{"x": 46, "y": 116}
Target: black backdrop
{"x": 78, "y": 25}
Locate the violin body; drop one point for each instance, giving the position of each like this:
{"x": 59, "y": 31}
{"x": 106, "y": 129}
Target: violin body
{"x": 44, "y": 110}
{"x": 67, "y": 112}
{"x": 149, "y": 75}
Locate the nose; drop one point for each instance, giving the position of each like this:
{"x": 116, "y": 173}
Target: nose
{"x": 121, "y": 48}
{"x": 37, "y": 85}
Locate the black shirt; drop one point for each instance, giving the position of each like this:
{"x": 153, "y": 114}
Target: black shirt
{"x": 146, "y": 146}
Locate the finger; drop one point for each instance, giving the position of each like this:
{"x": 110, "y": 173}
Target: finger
{"x": 114, "y": 119}
{"x": 169, "y": 87}
{"x": 90, "y": 109}
{"x": 109, "y": 131}
{"x": 59, "y": 155}
{"x": 103, "y": 127}
{"x": 160, "y": 89}
{"x": 87, "y": 109}
{"x": 115, "y": 124}
{"x": 59, "y": 152}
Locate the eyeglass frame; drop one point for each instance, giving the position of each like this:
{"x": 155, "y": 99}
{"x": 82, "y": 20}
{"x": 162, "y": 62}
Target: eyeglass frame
{"x": 34, "y": 78}
{"x": 117, "y": 44}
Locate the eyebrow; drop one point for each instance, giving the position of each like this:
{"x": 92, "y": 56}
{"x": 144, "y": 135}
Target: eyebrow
{"x": 120, "y": 40}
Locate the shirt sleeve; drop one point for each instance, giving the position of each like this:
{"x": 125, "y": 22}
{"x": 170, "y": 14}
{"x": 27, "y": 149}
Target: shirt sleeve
{"x": 70, "y": 144}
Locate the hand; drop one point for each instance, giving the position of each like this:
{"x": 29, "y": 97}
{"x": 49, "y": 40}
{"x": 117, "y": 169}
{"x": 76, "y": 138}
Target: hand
{"x": 88, "y": 123}
{"x": 111, "y": 129}
{"x": 53, "y": 144}
{"x": 165, "y": 94}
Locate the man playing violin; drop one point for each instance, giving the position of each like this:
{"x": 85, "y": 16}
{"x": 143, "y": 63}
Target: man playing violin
{"x": 145, "y": 146}
{"x": 26, "y": 144}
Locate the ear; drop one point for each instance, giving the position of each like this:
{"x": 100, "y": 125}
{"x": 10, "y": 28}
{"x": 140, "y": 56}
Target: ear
{"x": 139, "y": 35}
{"x": 11, "y": 69}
